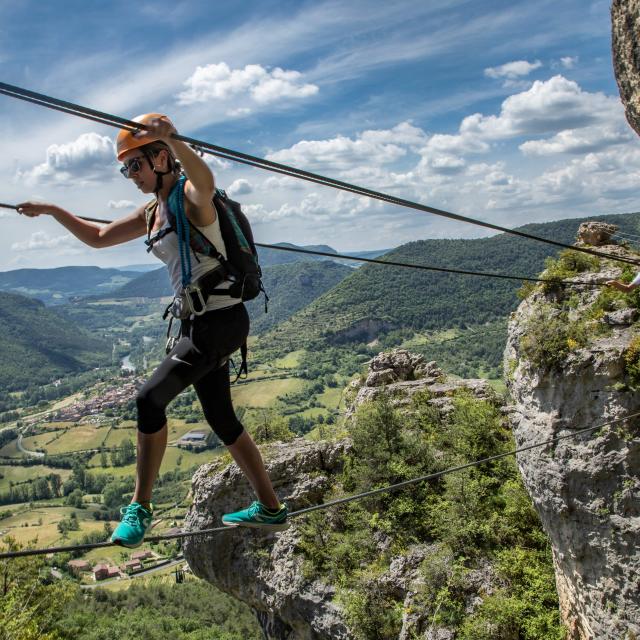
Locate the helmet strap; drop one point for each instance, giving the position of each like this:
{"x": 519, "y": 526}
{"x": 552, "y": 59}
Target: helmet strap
{"x": 158, "y": 173}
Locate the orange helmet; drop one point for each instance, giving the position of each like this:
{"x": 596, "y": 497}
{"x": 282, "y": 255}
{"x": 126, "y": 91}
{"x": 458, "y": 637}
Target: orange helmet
{"x": 128, "y": 140}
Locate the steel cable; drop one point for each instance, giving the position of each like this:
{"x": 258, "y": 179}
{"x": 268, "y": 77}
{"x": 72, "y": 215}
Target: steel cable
{"x": 325, "y": 505}
{"x": 237, "y": 156}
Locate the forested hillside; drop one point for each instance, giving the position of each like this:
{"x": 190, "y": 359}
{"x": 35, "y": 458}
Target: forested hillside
{"x": 376, "y": 300}
{"x": 38, "y": 345}
{"x": 291, "y": 287}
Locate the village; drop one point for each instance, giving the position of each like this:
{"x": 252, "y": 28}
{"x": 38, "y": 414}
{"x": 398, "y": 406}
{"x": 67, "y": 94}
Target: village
{"x": 111, "y": 398}
{"x": 139, "y": 562}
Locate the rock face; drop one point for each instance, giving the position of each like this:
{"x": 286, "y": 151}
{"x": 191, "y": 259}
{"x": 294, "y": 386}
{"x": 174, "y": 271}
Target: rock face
{"x": 596, "y": 233}
{"x": 262, "y": 569}
{"x": 625, "y": 21}
{"x": 586, "y": 489}
{"x": 401, "y": 374}
{"x": 265, "y": 571}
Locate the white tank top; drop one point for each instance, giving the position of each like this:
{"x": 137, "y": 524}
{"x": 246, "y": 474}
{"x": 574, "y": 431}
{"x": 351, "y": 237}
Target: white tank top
{"x": 166, "y": 249}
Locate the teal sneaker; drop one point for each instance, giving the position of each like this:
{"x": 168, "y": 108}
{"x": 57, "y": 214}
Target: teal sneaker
{"x": 258, "y": 516}
{"x": 135, "y": 522}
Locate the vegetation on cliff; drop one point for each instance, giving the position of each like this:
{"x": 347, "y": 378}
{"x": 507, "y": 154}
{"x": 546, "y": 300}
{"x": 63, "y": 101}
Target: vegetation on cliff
{"x": 477, "y": 521}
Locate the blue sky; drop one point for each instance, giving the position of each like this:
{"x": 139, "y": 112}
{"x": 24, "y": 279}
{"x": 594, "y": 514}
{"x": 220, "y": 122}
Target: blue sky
{"x": 505, "y": 111}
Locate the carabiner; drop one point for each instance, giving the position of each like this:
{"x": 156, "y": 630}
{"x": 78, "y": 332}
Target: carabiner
{"x": 194, "y": 288}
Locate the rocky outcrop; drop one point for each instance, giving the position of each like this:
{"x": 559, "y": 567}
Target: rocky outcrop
{"x": 266, "y": 572}
{"x": 596, "y": 234}
{"x": 625, "y": 22}
{"x": 261, "y": 569}
{"x": 401, "y": 374}
{"x": 586, "y": 488}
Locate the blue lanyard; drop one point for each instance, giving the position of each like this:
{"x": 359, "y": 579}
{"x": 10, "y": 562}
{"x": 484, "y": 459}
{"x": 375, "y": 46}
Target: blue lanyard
{"x": 183, "y": 233}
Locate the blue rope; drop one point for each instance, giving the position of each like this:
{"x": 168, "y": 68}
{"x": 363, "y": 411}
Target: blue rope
{"x": 183, "y": 233}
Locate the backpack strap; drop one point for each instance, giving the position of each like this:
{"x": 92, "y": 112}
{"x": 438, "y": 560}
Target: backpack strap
{"x": 150, "y": 215}
{"x": 243, "y": 365}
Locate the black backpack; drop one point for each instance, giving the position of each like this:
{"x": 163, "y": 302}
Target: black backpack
{"x": 241, "y": 264}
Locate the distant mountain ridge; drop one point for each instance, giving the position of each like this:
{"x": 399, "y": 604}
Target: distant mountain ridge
{"x": 58, "y": 285}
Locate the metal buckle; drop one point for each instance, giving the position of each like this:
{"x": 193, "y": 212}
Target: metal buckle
{"x": 172, "y": 341}
{"x": 195, "y": 288}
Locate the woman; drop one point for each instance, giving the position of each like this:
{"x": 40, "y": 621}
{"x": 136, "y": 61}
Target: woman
{"x": 159, "y": 164}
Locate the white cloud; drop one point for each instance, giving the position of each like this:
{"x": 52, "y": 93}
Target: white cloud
{"x": 121, "y": 204}
{"x": 512, "y": 70}
{"x": 88, "y": 158}
{"x": 568, "y": 62}
{"x": 240, "y": 112}
{"x": 41, "y": 240}
{"x": 216, "y": 163}
{"x": 314, "y": 207}
{"x": 240, "y": 187}
{"x": 374, "y": 147}
{"x": 579, "y": 141}
{"x": 254, "y": 82}
{"x": 547, "y": 107}
{"x": 282, "y": 182}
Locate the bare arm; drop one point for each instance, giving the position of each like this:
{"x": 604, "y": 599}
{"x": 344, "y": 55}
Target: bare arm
{"x": 119, "y": 231}
{"x": 621, "y": 286}
{"x": 200, "y": 184}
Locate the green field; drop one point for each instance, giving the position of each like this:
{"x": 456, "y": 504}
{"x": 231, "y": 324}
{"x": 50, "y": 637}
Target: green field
{"x": 11, "y": 450}
{"x": 41, "y": 523}
{"x": 82, "y": 436}
{"x": 20, "y": 474}
{"x": 263, "y": 394}
{"x": 290, "y": 361}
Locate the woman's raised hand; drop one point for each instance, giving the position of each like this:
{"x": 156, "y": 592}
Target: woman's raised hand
{"x": 158, "y": 129}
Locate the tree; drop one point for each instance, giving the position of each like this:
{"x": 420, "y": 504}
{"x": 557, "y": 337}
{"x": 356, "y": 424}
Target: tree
{"x": 74, "y": 499}
{"x": 30, "y": 606}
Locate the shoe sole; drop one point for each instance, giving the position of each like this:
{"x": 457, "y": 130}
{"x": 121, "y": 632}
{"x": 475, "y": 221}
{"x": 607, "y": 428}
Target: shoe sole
{"x": 121, "y": 543}
{"x": 258, "y": 525}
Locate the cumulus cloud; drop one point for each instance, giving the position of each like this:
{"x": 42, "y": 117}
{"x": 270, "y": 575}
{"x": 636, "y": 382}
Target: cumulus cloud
{"x": 512, "y": 70}
{"x": 375, "y": 147}
{"x": 41, "y": 240}
{"x": 86, "y": 159}
{"x": 283, "y": 182}
{"x": 579, "y": 141}
{"x": 121, "y": 204}
{"x": 240, "y": 187}
{"x": 313, "y": 207}
{"x": 216, "y": 163}
{"x": 547, "y": 107}
{"x": 253, "y": 82}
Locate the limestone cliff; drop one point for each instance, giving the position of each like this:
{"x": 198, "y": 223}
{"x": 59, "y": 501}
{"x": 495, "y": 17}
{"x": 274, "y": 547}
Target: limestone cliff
{"x": 570, "y": 363}
{"x": 267, "y": 571}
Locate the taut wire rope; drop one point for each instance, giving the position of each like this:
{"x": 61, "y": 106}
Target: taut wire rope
{"x": 269, "y": 165}
{"x": 332, "y": 503}
{"x": 391, "y": 263}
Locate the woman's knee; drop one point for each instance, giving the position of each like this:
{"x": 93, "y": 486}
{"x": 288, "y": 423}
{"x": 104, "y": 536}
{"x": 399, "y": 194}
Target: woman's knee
{"x": 151, "y": 411}
{"x": 227, "y": 428}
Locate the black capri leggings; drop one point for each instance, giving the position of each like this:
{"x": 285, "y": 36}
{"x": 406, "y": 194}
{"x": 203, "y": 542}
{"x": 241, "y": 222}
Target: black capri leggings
{"x": 200, "y": 358}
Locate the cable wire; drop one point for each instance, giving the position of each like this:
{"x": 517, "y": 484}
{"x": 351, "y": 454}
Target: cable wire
{"x": 392, "y": 263}
{"x": 237, "y": 156}
{"x": 332, "y": 503}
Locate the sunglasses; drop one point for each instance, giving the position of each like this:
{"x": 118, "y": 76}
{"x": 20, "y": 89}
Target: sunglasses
{"x": 133, "y": 166}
